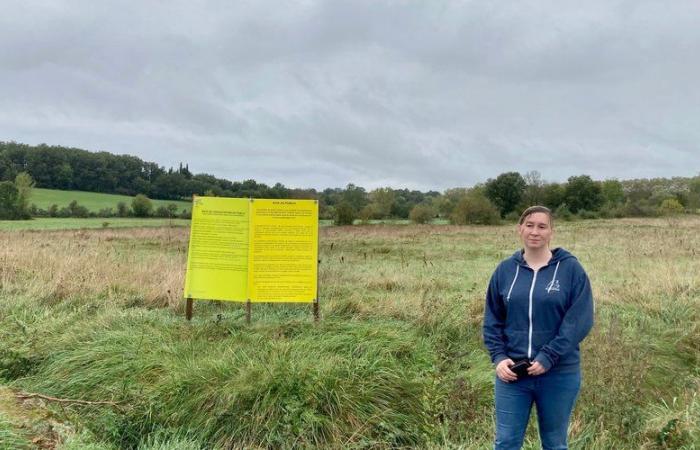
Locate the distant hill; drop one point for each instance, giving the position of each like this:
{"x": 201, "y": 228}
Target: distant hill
{"x": 93, "y": 201}
{"x": 56, "y": 167}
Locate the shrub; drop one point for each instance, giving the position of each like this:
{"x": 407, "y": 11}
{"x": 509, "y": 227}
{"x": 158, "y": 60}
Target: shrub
{"x": 76, "y": 210}
{"x": 122, "y": 209}
{"x": 586, "y": 214}
{"x": 564, "y": 213}
{"x": 166, "y": 211}
{"x": 106, "y": 212}
{"x": 344, "y": 214}
{"x": 640, "y": 208}
{"x": 670, "y": 207}
{"x": 24, "y": 184}
{"x": 161, "y": 211}
{"x": 513, "y": 216}
{"x": 612, "y": 211}
{"x": 10, "y": 205}
{"x": 142, "y": 206}
{"x": 172, "y": 209}
{"x": 35, "y": 211}
{"x": 368, "y": 212}
{"x": 475, "y": 208}
{"x": 422, "y": 213}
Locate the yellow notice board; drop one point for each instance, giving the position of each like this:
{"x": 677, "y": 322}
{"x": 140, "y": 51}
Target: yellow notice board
{"x": 253, "y": 249}
{"x": 283, "y": 251}
{"x": 217, "y": 261}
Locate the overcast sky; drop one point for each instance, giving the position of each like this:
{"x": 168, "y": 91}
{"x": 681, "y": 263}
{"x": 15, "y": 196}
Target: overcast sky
{"x": 421, "y": 95}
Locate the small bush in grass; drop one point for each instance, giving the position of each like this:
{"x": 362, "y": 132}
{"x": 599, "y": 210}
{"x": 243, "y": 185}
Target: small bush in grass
{"x": 586, "y": 214}
{"x": 611, "y": 211}
{"x": 368, "y": 213}
{"x": 344, "y": 214}
{"x": 640, "y": 208}
{"x": 564, "y": 213}
{"x": 142, "y": 206}
{"x": 72, "y": 210}
{"x": 513, "y": 216}
{"x": 106, "y": 212}
{"x": 161, "y": 211}
{"x": 670, "y": 207}
{"x": 476, "y": 209}
{"x": 422, "y": 213}
{"x": 122, "y": 209}
{"x": 166, "y": 211}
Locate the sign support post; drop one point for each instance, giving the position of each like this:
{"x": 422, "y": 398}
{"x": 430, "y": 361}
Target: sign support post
{"x": 188, "y": 309}
{"x": 318, "y": 266}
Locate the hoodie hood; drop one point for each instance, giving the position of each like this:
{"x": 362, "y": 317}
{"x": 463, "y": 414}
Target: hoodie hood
{"x": 558, "y": 255}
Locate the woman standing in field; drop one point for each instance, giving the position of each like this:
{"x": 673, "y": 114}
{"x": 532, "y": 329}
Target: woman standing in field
{"x": 539, "y": 307}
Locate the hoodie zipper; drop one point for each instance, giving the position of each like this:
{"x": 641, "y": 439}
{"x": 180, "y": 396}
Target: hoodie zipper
{"x": 529, "y": 314}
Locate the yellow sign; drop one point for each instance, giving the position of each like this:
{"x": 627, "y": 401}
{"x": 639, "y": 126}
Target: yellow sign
{"x": 283, "y": 251}
{"x": 258, "y": 250}
{"x": 217, "y": 261}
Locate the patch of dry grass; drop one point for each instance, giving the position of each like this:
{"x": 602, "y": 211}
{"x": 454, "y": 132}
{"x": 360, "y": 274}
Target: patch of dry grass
{"x": 141, "y": 267}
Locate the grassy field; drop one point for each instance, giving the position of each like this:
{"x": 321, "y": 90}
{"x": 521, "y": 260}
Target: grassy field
{"x": 92, "y": 320}
{"x": 93, "y": 201}
{"x": 54, "y": 223}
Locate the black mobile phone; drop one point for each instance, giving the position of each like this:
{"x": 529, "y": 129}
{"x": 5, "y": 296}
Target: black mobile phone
{"x": 520, "y": 367}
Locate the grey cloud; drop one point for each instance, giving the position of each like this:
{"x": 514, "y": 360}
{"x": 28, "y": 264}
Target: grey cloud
{"x": 322, "y": 93}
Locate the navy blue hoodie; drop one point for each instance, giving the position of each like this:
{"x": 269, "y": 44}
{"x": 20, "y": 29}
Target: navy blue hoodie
{"x": 541, "y": 316}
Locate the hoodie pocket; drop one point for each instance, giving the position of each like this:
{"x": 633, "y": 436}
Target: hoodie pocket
{"x": 540, "y": 338}
{"x": 517, "y": 343}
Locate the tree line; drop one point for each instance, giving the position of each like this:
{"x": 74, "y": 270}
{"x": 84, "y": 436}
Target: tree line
{"x": 54, "y": 167}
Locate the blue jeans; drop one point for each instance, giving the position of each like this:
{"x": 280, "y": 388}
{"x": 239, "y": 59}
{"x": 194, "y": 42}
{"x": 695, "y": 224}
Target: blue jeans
{"x": 553, "y": 393}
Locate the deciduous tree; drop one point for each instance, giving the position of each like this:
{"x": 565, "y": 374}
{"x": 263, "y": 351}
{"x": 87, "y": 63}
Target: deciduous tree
{"x": 506, "y": 191}
{"x": 581, "y": 193}
{"x": 8, "y": 201}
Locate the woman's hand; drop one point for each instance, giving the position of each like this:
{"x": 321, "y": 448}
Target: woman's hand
{"x": 536, "y": 369}
{"x": 503, "y": 371}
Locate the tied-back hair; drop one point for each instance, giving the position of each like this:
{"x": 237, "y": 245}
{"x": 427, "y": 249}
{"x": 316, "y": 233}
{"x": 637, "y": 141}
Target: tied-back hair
{"x": 537, "y": 209}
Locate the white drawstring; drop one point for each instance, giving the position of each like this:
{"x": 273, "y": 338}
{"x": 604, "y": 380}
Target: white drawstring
{"x": 517, "y": 270}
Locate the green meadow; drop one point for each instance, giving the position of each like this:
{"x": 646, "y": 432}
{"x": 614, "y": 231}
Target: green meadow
{"x": 97, "y": 354}
{"x": 55, "y": 223}
{"x": 93, "y": 201}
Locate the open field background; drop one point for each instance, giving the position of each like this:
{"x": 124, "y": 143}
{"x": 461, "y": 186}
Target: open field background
{"x": 55, "y": 223}
{"x": 396, "y": 361}
{"x": 93, "y": 201}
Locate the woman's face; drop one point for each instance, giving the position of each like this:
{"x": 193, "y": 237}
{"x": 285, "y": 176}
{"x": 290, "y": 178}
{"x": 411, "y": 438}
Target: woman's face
{"x": 536, "y": 231}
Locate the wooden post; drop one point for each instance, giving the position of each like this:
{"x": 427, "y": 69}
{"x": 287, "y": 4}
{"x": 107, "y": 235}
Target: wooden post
{"x": 247, "y": 312}
{"x": 318, "y": 266}
{"x": 188, "y": 309}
